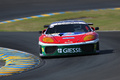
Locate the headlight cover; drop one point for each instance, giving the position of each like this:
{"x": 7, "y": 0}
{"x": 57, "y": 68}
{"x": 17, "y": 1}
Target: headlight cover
{"x": 89, "y": 37}
{"x": 48, "y": 39}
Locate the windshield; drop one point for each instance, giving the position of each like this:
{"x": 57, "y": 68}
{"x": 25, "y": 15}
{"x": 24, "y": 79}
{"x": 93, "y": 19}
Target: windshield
{"x": 68, "y": 28}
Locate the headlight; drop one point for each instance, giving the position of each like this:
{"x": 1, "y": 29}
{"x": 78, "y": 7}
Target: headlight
{"x": 89, "y": 37}
{"x": 48, "y": 39}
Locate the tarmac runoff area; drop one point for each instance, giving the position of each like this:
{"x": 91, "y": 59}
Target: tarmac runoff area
{"x": 14, "y": 61}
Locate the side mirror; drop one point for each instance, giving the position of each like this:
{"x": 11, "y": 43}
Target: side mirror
{"x": 46, "y": 26}
{"x": 93, "y": 28}
{"x": 40, "y": 32}
{"x": 97, "y": 28}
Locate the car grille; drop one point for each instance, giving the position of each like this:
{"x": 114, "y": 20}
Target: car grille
{"x": 50, "y": 49}
{"x": 87, "y": 47}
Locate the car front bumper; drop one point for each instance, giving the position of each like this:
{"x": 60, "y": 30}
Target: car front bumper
{"x": 68, "y": 49}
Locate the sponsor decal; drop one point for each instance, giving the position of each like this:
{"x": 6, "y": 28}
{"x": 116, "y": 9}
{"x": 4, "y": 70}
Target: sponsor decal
{"x": 42, "y": 49}
{"x": 69, "y": 38}
{"x": 70, "y": 33}
{"x": 73, "y": 33}
{"x": 59, "y": 50}
{"x": 69, "y": 50}
{"x": 69, "y": 42}
{"x": 55, "y": 34}
{"x": 64, "y": 23}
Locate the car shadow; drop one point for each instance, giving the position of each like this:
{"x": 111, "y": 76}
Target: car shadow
{"x": 102, "y": 52}
{"x": 106, "y": 51}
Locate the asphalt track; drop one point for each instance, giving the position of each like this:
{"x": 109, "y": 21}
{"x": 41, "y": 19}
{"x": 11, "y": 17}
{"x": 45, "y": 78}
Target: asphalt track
{"x": 11, "y": 9}
{"x": 104, "y": 66}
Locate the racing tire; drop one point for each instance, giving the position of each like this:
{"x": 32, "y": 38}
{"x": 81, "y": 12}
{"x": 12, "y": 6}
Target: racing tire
{"x": 40, "y": 49}
{"x": 97, "y": 48}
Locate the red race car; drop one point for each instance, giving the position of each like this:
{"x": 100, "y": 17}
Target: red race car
{"x": 69, "y": 37}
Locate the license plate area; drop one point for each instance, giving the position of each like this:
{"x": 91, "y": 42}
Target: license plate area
{"x": 69, "y": 49}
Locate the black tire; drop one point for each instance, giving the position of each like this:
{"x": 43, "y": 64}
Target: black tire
{"x": 40, "y": 49}
{"x": 97, "y": 48}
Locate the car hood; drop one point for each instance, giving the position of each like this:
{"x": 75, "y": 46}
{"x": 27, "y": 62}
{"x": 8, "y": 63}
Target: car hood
{"x": 67, "y": 38}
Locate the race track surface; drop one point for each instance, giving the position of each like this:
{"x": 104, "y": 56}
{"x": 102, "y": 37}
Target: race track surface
{"x": 104, "y": 66}
{"x": 11, "y": 9}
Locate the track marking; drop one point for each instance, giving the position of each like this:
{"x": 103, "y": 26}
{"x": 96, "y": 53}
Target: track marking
{"x": 17, "y": 61}
{"x": 51, "y": 14}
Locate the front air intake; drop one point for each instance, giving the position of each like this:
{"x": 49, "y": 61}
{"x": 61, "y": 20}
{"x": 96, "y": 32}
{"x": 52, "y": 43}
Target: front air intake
{"x": 87, "y": 47}
{"x": 50, "y": 49}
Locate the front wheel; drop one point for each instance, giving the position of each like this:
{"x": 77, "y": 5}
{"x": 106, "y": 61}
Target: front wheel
{"x": 97, "y": 48}
{"x": 40, "y": 49}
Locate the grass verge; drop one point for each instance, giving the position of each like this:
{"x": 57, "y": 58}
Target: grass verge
{"x": 105, "y": 19}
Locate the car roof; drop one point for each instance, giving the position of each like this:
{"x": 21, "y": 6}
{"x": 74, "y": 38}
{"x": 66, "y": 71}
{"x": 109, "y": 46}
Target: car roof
{"x": 67, "y": 22}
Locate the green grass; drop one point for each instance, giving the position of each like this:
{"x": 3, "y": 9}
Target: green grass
{"x": 105, "y": 19}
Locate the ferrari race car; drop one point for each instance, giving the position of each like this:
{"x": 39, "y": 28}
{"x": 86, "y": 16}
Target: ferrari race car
{"x": 69, "y": 37}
